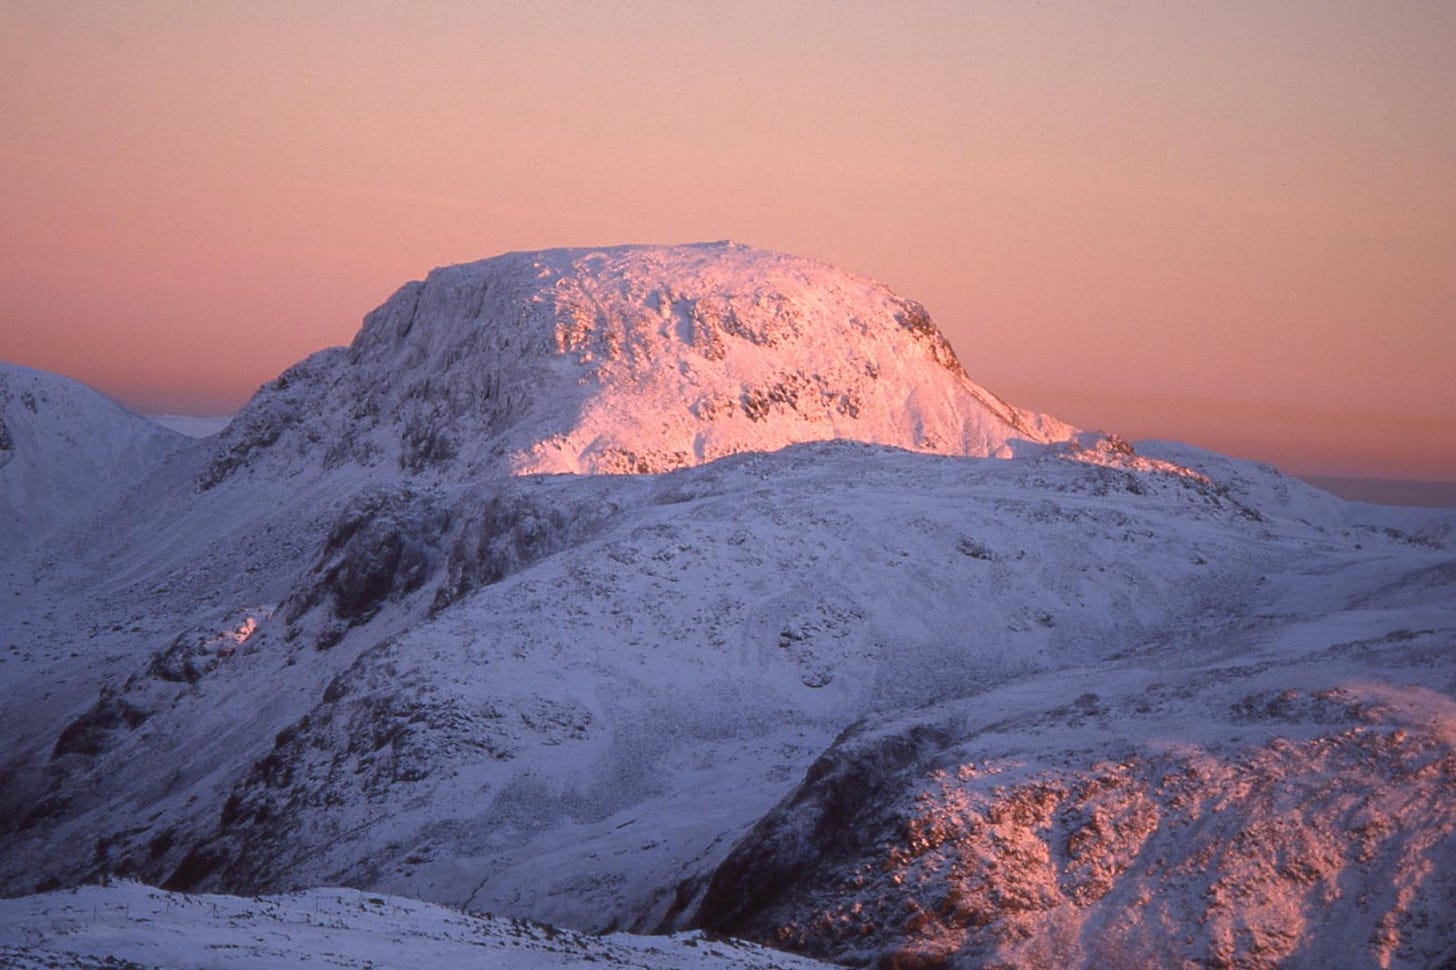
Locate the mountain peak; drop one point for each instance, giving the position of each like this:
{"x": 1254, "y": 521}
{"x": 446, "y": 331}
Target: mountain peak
{"x": 633, "y": 359}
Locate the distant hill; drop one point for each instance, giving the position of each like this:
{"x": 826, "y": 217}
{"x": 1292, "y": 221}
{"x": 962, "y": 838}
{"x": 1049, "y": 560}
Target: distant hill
{"x": 66, "y": 451}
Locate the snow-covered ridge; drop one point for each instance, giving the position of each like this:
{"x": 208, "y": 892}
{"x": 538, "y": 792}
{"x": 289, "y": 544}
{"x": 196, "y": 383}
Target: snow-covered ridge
{"x": 1289, "y": 813}
{"x": 127, "y": 924}
{"x": 626, "y": 359}
{"x": 66, "y": 451}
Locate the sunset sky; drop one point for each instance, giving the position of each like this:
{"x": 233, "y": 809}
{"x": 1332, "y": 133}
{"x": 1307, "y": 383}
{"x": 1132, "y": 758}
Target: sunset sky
{"x": 1230, "y": 223}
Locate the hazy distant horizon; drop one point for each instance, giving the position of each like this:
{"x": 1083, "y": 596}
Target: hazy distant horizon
{"x": 1382, "y": 491}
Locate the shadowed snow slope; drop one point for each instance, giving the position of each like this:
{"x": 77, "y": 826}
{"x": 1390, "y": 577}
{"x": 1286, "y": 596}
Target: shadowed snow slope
{"x": 629, "y": 359}
{"x": 127, "y": 925}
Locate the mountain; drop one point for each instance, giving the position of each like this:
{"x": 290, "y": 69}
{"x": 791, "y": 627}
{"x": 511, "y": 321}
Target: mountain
{"x": 629, "y": 359}
{"x": 822, "y": 675}
{"x": 59, "y": 438}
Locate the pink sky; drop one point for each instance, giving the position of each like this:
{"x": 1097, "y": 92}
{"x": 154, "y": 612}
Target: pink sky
{"x": 1232, "y": 224}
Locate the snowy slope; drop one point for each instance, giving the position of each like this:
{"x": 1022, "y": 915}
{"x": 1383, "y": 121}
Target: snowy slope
{"x": 1267, "y": 789}
{"x": 130, "y": 925}
{"x": 66, "y": 452}
{"x": 644, "y": 666}
{"x": 1262, "y": 486}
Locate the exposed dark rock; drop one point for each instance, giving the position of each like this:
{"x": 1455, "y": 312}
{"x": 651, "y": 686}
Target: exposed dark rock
{"x": 383, "y": 546}
{"x": 91, "y": 733}
{"x": 509, "y": 529}
{"x": 821, "y": 821}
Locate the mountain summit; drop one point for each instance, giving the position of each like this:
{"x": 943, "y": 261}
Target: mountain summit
{"x": 630, "y": 359}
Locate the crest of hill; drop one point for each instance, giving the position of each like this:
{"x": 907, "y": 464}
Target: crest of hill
{"x": 629, "y": 359}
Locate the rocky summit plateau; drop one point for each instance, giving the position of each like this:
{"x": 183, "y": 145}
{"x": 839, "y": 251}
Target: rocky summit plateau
{"x": 635, "y": 359}
{"x": 698, "y": 590}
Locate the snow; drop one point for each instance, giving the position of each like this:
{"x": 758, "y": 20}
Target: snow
{"x": 1263, "y": 789}
{"x": 574, "y": 739}
{"x": 101, "y": 926}
{"x": 59, "y": 438}
{"x": 627, "y": 359}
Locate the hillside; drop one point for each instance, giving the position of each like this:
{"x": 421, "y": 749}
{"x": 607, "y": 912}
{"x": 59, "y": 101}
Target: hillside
{"x": 128, "y": 925}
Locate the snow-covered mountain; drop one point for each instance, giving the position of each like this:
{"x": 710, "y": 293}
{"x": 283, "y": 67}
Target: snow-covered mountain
{"x": 66, "y": 452}
{"x": 821, "y": 673}
{"x": 629, "y": 359}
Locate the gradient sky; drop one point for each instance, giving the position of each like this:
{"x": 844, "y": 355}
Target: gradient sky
{"x": 1231, "y": 223}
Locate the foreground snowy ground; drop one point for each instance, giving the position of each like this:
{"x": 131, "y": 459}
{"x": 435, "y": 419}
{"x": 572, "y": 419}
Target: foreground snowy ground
{"x": 128, "y": 925}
